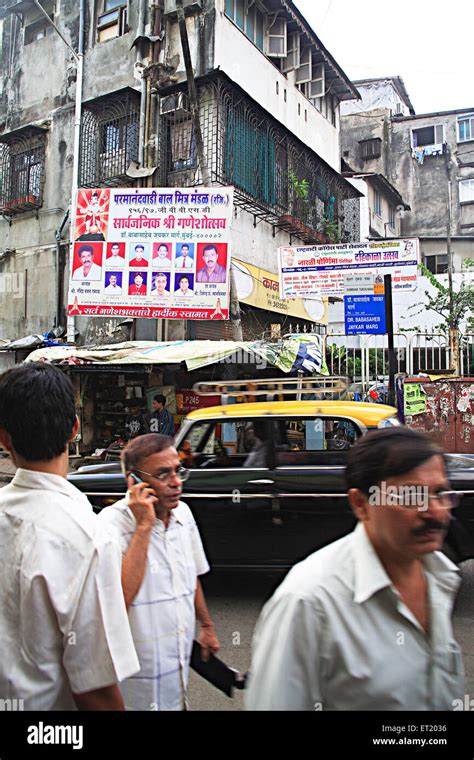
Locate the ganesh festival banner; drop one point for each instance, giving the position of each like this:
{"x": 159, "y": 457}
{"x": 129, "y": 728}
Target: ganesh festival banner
{"x": 152, "y": 253}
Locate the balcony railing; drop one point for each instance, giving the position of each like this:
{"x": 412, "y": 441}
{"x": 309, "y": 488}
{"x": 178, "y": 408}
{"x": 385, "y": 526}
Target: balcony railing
{"x": 276, "y": 177}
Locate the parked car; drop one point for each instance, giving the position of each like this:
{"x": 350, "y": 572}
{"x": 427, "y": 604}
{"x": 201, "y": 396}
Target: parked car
{"x": 267, "y": 479}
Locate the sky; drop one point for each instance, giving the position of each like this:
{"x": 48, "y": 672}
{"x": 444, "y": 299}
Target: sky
{"x": 428, "y": 44}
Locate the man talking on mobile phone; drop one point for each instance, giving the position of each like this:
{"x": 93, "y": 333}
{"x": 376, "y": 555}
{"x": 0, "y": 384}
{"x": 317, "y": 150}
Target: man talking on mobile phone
{"x": 163, "y": 558}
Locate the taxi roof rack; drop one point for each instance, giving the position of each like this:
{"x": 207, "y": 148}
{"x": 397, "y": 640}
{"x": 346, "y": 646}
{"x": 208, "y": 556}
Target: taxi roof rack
{"x": 291, "y": 386}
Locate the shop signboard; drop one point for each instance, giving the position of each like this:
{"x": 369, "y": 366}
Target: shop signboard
{"x": 152, "y": 253}
{"x": 319, "y": 271}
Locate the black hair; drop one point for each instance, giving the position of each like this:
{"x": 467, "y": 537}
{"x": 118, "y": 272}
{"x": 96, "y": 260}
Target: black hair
{"x": 387, "y": 453}
{"x": 184, "y": 277}
{"x": 37, "y": 410}
{"x": 143, "y": 447}
{"x": 210, "y": 247}
{"x": 160, "y": 399}
{"x": 140, "y": 245}
{"x": 85, "y": 249}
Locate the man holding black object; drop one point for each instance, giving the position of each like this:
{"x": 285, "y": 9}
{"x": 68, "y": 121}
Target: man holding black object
{"x": 365, "y": 623}
{"x": 163, "y": 558}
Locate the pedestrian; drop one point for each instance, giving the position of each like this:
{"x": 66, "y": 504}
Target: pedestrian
{"x": 65, "y": 639}
{"x": 161, "y": 420}
{"x": 365, "y": 623}
{"x": 136, "y": 421}
{"x": 163, "y": 559}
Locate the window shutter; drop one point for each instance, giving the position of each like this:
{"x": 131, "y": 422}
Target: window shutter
{"x": 439, "y": 134}
{"x": 292, "y": 60}
{"x": 317, "y": 87}
{"x": 276, "y": 38}
{"x": 304, "y": 73}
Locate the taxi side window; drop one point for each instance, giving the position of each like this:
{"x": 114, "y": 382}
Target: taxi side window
{"x": 311, "y": 440}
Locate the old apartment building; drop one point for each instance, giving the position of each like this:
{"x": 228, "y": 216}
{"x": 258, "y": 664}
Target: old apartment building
{"x": 269, "y": 107}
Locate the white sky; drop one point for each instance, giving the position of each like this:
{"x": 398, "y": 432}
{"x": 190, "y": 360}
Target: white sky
{"x": 426, "y": 42}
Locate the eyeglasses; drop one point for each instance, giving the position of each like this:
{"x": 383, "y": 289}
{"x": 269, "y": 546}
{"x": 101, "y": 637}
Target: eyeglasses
{"x": 415, "y": 498}
{"x": 167, "y": 473}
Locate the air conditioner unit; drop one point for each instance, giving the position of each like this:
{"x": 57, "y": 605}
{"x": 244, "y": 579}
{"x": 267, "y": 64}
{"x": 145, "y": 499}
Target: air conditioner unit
{"x": 112, "y": 163}
{"x": 175, "y": 106}
{"x": 190, "y": 6}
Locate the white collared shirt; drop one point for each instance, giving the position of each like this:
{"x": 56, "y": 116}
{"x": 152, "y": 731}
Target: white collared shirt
{"x": 162, "y": 615}
{"x": 63, "y": 622}
{"x": 336, "y": 635}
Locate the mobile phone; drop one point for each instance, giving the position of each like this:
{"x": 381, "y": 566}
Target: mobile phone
{"x": 135, "y": 477}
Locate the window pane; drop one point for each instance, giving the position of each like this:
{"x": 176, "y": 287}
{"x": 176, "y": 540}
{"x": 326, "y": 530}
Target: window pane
{"x": 259, "y": 32}
{"x": 108, "y": 18}
{"x": 240, "y": 14}
{"x": 109, "y": 4}
{"x": 250, "y": 28}
{"x": 229, "y": 8}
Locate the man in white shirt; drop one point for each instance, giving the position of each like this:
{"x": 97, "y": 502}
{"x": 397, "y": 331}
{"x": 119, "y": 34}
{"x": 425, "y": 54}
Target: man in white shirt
{"x": 65, "y": 639}
{"x": 88, "y": 270}
{"x": 184, "y": 291}
{"x": 185, "y": 260}
{"x": 163, "y": 559}
{"x": 115, "y": 259}
{"x": 365, "y": 623}
{"x": 112, "y": 288}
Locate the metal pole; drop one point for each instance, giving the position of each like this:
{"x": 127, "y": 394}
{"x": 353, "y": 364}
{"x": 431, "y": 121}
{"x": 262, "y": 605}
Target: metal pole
{"x": 392, "y": 358}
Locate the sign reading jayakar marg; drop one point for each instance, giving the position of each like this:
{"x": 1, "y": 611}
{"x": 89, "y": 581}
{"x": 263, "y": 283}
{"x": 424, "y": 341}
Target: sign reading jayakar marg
{"x": 323, "y": 270}
{"x": 152, "y": 253}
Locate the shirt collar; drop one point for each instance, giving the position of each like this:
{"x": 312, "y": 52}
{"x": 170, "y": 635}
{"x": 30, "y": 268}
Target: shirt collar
{"x": 45, "y": 481}
{"x": 370, "y": 575}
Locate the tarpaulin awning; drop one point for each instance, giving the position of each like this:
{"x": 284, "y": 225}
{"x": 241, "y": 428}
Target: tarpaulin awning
{"x": 303, "y": 353}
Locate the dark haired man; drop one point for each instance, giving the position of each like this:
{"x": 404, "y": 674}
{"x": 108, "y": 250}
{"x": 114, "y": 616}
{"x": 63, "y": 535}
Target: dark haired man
{"x": 161, "y": 420}
{"x": 88, "y": 270}
{"x": 65, "y": 640}
{"x": 212, "y": 271}
{"x": 365, "y": 623}
{"x": 163, "y": 559}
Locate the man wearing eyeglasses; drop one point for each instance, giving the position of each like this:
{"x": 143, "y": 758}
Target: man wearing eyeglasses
{"x": 163, "y": 558}
{"x": 365, "y": 623}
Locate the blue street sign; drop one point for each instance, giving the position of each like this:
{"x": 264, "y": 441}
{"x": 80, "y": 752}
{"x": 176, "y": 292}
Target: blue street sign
{"x": 365, "y": 315}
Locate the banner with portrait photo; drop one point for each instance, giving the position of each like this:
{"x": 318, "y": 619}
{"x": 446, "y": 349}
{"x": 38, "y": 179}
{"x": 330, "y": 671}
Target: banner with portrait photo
{"x": 152, "y": 253}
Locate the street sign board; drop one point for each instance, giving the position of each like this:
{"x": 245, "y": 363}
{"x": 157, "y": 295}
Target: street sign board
{"x": 365, "y": 315}
{"x": 359, "y": 283}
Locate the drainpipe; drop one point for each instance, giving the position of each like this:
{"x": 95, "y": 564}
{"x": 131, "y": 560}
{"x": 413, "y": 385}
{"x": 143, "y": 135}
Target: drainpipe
{"x": 143, "y": 85}
{"x": 60, "y": 271}
{"x": 236, "y": 321}
{"x": 71, "y": 325}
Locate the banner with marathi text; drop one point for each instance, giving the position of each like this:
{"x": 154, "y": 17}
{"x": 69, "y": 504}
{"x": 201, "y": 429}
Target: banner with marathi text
{"x": 322, "y": 270}
{"x": 152, "y": 253}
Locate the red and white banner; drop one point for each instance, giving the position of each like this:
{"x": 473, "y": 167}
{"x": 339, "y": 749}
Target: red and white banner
{"x": 159, "y": 253}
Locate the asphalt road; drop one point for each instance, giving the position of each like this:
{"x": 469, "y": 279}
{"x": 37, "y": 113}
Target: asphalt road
{"x": 235, "y": 601}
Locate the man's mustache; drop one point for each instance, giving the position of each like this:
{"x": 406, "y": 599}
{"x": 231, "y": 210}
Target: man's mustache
{"x": 430, "y": 525}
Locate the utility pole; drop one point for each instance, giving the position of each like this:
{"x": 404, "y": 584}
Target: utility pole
{"x": 392, "y": 359}
{"x": 235, "y": 317}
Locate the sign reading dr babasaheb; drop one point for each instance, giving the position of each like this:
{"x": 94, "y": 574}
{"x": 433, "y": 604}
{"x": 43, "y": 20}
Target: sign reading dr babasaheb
{"x": 365, "y": 315}
{"x": 152, "y": 253}
{"x": 321, "y": 270}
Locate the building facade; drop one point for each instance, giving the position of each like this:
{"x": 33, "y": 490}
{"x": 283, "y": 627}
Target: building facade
{"x": 269, "y": 100}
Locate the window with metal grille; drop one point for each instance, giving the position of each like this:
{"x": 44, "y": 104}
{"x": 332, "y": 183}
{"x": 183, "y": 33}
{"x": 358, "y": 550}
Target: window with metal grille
{"x": 275, "y": 175}
{"x": 437, "y": 264}
{"x": 370, "y": 148}
{"x": 109, "y": 140}
{"x": 22, "y": 163}
{"x": 391, "y": 216}
{"x": 113, "y": 20}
